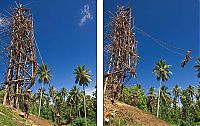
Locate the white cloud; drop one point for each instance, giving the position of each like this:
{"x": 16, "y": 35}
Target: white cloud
{"x": 1, "y": 22}
{"x": 89, "y": 91}
{"x": 86, "y": 15}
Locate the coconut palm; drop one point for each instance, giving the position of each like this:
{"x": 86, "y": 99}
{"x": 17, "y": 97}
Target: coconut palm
{"x": 197, "y": 67}
{"x": 90, "y": 103}
{"x": 41, "y": 98}
{"x": 198, "y": 94}
{"x": 44, "y": 95}
{"x": 176, "y": 92}
{"x": 161, "y": 70}
{"x": 44, "y": 78}
{"x": 52, "y": 93}
{"x": 59, "y": 100}
{"x": 191, "y": 92}
{"x": 34, "y": 103}
{"x": 186, "y": 104}
{"x": 151, "y": 98}
{"x": 64, "y": 93}
{"x": 83, "y": 78}
{"x": 165, "y": 95}
{"x": 165, "y": 100}
{"x": 75, "y": 98}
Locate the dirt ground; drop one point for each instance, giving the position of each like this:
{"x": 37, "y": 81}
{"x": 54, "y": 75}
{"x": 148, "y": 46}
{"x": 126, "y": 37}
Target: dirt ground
{"x": 133, "y": 115}
{"x": 34, "y": 120}
{"x": 38, "y": 121}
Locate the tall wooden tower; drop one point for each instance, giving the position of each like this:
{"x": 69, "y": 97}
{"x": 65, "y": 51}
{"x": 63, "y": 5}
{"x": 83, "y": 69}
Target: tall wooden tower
{"x": 22, "y": 64}
{"x": 122, "y": 50}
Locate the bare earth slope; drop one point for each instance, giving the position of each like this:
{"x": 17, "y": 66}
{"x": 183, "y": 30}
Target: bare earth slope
{"x": 38, "y": 121}
{"x": 134, "y": 115}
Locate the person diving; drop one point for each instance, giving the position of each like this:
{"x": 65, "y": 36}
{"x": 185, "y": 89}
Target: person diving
{"x": 186, "y": 58}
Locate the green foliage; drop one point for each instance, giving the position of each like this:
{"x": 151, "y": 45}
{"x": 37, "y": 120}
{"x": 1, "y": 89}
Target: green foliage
{"x": 66, "y": 104}
{"x": 8, "y": 118}
{"x": 161, "y": 70}
{"x": 180, "y": 109}
{"x": 82, "y": 76}
{"x": 1, "y": 95}
{"x": 123, "y": 122}
{"x": 78, "y": 122}
{"x": 135, "y": 96}
{"x": 197, "y": 67}
{"x": 81, "y": 122}
{"x": 44, "y": 74}
{"x": 120, "y": 122}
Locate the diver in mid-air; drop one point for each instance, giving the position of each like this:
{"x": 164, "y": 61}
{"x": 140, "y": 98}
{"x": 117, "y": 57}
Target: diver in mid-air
{"x": 187, "y": 58}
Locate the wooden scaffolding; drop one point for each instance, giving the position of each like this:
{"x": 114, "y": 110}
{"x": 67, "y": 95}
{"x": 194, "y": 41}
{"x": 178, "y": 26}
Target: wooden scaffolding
{"x": 123, "y": 55}
{"x": 22, "y": 64}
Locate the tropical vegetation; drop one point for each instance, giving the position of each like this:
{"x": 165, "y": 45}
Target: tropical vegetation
{"x": 47, "y": 102}
{"x": 180, "y": 107}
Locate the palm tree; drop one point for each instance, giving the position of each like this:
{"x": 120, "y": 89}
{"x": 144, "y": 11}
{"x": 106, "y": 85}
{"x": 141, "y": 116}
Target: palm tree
{"x": 191, "y": 92}
{"x": 44, "y": 78}
{"x": 42, "y": 98}
{"x": 52, "y": 93}
{"x": 165, "y": 100}
{"x": 64, "y": 93}
{"x": 34, "y": 104}
{"x": 165, "y": 94}
{"x": 186, "y": 105}
{"x": 83, "y": 78}
{"x": 59, "y": 100}
{"x": 74, "y": 98}
{"x": 176, "y": 92}
{"x": 151, "y": 98}
{"x": 198, "y": 94}
{"x": 197, "y": 67}
{"x": 161, "y": 70}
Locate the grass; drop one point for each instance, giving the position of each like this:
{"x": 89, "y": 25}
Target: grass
{"x": 9, "y": 118}
{"x": 123, "y": 122}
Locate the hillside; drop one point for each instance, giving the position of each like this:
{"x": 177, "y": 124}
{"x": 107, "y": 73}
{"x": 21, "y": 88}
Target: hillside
{"x": 9, "y": 117}
{"x": 126, "y": 115}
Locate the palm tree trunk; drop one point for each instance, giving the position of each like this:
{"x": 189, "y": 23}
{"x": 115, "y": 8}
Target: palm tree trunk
{"x": 179, "y": 106}
{"x": 40, "y": 101}
{"x": 84, "y": 105}
{"x": 79, "y": 113}
{"x": 70, "y": 110}
{"x": 158, "y": 106}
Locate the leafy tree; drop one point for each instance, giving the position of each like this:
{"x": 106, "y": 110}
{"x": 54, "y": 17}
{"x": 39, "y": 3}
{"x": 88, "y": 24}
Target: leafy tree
{"x": 135, "y": 96}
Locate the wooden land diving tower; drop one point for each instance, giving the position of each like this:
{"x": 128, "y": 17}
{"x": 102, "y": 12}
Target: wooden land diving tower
{"x": 22, "y": 65}
{"x": 122, "y": 49}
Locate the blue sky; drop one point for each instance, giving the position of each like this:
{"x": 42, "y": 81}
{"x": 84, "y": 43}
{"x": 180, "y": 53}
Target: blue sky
{"x": 173, "y": 21}
{"x": 66, "y": 35}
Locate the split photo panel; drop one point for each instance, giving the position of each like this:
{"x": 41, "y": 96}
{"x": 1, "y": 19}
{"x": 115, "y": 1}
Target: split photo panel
{"x": 99, "y": 63}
